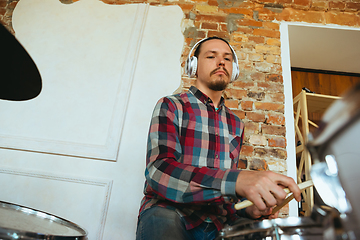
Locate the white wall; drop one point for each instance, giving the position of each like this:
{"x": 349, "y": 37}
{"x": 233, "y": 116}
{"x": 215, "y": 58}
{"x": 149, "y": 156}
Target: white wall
{"x": 78, "y": 149}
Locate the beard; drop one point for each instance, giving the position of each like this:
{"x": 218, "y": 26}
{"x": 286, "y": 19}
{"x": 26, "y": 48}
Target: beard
{"x": 219, "y": 84}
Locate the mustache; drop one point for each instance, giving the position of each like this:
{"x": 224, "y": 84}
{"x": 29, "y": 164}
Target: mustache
{"x": 217, "y": 69}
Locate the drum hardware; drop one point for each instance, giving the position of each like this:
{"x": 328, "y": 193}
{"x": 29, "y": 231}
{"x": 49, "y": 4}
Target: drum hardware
{"x": 335, "y": 151}
{"x": 274, "y": 229}
{"x": 336, "y": 154}
{"x": 19, "y": 222}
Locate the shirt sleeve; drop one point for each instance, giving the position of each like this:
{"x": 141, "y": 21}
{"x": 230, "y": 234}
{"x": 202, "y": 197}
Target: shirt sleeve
{"x": 173, "y": 180}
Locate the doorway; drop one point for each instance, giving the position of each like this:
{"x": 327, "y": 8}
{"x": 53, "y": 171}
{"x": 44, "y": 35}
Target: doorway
{"x": 322, "y": 49}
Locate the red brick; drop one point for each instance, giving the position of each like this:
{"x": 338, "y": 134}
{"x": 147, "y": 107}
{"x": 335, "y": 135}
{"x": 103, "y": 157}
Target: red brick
{"x": 265, "y": 14}
{"x": 12, "y": 5}
{"x": 245, "y": 30}
{"x": 3, "y": 3}
{"x": 213, "y": 3}
{"x": 336, "y": 5}
{"x": 271, "y": 25}
{"x": 249, "y": 22}
{"x": 277, "y": 142}
{"x": 273, "y": 42}
{"x": 273, "y": 130}
{"x": 239, "y": 113}
{"x": 342, "y": 18}
{"x": 258, "y": 76}
{"x": 255, "y": 117}
{"x": 236, "y": 93}
{"x": 275, "y": 97}
{"x": 237, "y": 10}
{"x": 278, "y": 153}
{"x": 246, "y": 105}
{"x": 258, "y": 165}
{"x": 320, "y": 6}
{"x": 206, "y": 25}
{"x": 256, "y": 95}
{"x": 186, "y": 7}
{"x": 273, "y": 152}
{"x": 243, "y": 84}
{"x": 247, "y": 4}
{"x": 246, "y": 66}
{"x": 301, "y": 16}
{"x": 230, "y": 103}
{"x": 269, "y": 106}
{"x": 276, "y": 119}
{"x": 353, "y": 6}
{"x": 247, "y": 150}
{"x": 224, "y": 35}
{"x": 267, "y": 33}
{"x": 270, "y": 86}
{"x": 251, "y": 128}
{"x": 242, "y": 164}
{"x": 302, "y": 2}
{"x": 223, "y": 27}
{"x": 210, "y": 18}
{"x": 257, "y": 39}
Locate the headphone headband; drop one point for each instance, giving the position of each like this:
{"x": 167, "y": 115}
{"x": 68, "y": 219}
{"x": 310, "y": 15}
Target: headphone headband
{"x": 191, "y": 62}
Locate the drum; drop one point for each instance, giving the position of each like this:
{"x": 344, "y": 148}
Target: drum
{"x": 18, "y": 222}
{"x": 335, "y": 150}
{"x": 280, "y": 228}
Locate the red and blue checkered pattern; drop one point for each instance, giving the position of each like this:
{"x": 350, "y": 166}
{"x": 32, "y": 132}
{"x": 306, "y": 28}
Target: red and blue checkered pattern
{"x": 192, "y": 156}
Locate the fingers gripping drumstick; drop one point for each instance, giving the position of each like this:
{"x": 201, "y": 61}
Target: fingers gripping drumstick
{"x": 302, "y": 186}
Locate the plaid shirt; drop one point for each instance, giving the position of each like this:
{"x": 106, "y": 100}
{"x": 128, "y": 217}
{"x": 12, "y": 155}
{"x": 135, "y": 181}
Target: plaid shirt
{"x": 192, "y": 156}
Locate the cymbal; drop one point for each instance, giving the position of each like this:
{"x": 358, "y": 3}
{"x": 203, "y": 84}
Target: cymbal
{"x": 20, "y": 79}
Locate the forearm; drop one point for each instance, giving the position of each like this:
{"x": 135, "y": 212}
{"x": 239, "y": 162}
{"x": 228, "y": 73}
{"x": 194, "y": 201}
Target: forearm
{"x": 182, "y": 183}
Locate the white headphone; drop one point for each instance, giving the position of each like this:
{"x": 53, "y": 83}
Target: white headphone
{"x": 191, "y": 62}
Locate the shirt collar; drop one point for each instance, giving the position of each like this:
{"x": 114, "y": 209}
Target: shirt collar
{"x": 203, "y": 97}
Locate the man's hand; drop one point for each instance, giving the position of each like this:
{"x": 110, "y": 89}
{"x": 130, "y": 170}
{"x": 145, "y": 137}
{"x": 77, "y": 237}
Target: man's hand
{"x": 255, "y": 213}
{"x": 265, "y": 188}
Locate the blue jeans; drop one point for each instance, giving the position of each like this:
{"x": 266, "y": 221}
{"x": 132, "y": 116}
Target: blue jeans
{"x": 159, "y": 223}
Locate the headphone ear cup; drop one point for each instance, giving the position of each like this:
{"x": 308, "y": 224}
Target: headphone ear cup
{"x": 192, "y": 67}
{"x": 235, "y": 72}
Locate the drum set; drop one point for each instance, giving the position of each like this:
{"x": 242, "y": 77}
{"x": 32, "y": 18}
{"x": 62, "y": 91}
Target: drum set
{"x": 335, "y": 151}
{"x": 18, "y": 222}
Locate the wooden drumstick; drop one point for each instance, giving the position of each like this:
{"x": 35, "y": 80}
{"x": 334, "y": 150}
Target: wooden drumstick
{"x": 302, "y": 187}
{"x": 248, "y": 203}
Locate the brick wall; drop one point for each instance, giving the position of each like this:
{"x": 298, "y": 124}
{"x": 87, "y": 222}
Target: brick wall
{"x": 252, "y": 27}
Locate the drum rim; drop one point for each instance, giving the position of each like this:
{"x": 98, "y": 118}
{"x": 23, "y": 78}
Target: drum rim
{"x": 269, "y": 224}
{"x": 44, "y": 215}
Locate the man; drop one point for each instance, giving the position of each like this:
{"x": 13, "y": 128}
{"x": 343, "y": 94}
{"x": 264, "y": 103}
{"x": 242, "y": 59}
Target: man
{"x": 192, "y": 180}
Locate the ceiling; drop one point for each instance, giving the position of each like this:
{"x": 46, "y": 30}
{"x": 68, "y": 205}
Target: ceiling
{"x": 323, "y": 48}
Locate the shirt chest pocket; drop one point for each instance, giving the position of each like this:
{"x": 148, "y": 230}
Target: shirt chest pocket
{"x": 234, "y": 147}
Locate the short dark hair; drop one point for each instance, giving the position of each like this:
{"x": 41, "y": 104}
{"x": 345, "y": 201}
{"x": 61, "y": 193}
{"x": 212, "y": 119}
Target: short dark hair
{"x": 197, "y": 51}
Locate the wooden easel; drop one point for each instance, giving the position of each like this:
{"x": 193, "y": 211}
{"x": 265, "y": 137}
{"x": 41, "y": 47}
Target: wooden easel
{"x": 303, "y": 104}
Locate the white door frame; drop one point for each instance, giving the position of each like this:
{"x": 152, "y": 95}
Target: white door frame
{"x": 289, "y": 116}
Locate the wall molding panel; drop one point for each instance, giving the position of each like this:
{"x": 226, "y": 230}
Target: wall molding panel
{"x": 57, "y": 186}
{"x": 76, "y": 120}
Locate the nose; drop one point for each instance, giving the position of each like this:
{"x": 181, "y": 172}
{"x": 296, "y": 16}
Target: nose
{"x": 221, "y": 62}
